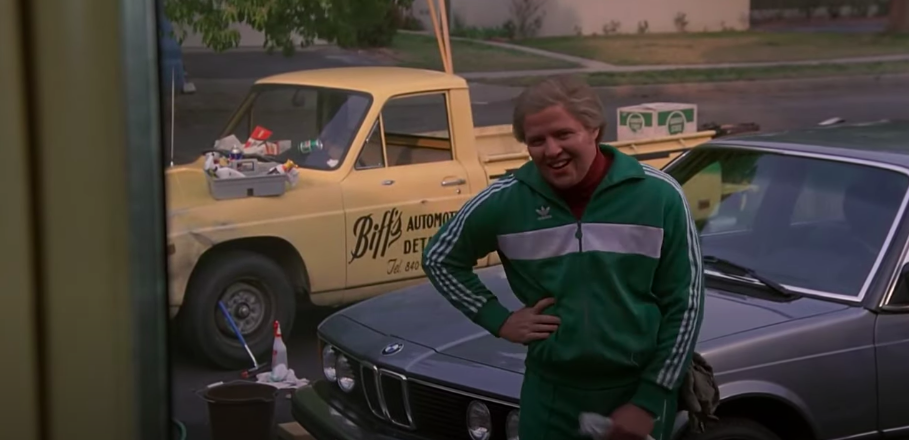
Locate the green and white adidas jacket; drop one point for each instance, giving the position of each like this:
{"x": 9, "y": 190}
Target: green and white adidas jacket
{"x": 627, "y": 278}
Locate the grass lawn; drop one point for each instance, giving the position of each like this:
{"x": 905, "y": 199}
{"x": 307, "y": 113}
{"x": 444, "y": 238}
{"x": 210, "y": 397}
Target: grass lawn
{"x": 722, "y": 47}
{"x": 409, "y": 50}
{"x": 677, "y": 76}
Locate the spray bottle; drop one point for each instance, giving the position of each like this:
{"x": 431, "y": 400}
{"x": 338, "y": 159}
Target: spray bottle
{"x": 278, "y": 356}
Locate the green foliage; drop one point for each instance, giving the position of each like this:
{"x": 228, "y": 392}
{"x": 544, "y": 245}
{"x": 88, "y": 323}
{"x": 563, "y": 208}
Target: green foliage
{"x": 482, "y": 33}
{"x": 348, "y": 23}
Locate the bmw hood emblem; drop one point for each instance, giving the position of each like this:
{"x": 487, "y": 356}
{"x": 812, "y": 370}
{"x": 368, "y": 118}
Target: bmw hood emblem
{"x": 391, "y": 349}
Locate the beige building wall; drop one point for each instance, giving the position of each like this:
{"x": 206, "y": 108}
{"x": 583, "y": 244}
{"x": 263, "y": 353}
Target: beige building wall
{"x": 568, "y": 17}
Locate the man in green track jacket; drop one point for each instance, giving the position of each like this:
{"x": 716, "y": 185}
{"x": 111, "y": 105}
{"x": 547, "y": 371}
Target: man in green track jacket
{"x": 603, "y": 252}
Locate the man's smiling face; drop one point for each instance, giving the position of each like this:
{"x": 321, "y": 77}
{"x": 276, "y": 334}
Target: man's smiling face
{"x": 560, "y": 146}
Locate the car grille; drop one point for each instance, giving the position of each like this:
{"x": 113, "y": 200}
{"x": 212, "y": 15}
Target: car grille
{"x": 386, "y": 395}
{"x": 430, "y": 411}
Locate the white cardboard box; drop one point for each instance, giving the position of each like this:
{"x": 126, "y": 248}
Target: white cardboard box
{"x": 656, "y": 119}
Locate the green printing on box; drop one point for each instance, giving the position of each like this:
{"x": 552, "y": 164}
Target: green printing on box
{"x": 635, "y": 121}
{"x": 674, "y": 120}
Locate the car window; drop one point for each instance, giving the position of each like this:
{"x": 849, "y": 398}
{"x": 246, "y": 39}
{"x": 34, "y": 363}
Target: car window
{"x": 821, "y": 197}
{"x": 416, "y": 129}
{"x": 809, "y": 223}
{"x": 900, "y": 296}
{"x": 724, "y": 195}
{"x": 372, "y": 156}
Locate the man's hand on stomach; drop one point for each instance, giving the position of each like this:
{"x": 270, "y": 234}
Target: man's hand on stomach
{"x": 529, "y": 324}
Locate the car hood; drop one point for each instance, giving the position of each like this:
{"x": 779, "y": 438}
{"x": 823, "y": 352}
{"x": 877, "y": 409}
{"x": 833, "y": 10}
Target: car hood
{"x": 422, "y": 316}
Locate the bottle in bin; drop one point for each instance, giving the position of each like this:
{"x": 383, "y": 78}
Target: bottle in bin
{"x": 309, "y": 146}
{"x": 278, "y": 356}
{"x": 235, "y": 154}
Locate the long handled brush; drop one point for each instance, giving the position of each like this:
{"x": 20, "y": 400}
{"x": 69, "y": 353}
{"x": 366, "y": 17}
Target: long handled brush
{"x": 233, "y": 325}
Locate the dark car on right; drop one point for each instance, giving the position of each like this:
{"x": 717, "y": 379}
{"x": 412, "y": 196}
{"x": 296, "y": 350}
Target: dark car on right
{"x": 806, "y": 322}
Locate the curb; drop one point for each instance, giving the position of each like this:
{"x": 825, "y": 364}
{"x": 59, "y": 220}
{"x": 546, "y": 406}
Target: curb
{"x": 584, "y": 62}
{"x": 589, "y": 66}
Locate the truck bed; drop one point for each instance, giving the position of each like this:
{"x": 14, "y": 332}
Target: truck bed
{"x": 500, "y": 153}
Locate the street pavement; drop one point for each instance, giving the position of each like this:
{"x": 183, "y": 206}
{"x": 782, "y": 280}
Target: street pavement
{"x": 256, "y": 63}
{"x": 221, "y": 82}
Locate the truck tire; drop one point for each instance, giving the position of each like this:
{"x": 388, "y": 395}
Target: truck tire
{"x": 254, "y": 289}
{"x": 735, "y": 429}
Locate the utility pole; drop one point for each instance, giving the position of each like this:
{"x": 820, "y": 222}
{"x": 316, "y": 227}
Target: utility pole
{"x": 899, "y": 17}
{"x": 440, "y": 27}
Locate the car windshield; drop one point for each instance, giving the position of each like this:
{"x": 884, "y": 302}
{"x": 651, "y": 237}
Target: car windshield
{"x": 811, "y": 224}
{"x": 312, "y": 126}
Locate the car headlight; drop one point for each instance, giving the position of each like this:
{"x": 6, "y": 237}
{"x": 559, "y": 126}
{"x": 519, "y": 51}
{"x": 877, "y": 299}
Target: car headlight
{"x": 329, "y": 360}
{"x": 345, "y": 374}
{"x": 511, "y": 425}
{"x": 479, "y": 422}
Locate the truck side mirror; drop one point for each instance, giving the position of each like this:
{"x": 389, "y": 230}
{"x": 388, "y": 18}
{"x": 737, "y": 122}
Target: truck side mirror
{"x": 299, "y": 98}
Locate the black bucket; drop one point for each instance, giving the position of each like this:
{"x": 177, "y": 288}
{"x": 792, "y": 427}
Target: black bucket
{"x": 241, "y": 411}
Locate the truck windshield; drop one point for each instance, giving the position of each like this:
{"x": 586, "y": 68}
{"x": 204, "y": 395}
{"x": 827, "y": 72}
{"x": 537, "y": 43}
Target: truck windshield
{"x": 816, "y": 225}
{"x": 312, "y": 126}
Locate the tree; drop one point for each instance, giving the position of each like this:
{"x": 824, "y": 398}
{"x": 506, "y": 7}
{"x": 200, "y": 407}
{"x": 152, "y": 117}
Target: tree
{"x": 347, "y": 23}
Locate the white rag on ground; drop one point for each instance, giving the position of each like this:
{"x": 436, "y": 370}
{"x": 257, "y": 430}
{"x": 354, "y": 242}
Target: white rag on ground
{"x": 281, "y": 380}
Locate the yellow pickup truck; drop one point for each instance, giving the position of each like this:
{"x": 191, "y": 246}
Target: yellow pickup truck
{"x": 396, "y": 156}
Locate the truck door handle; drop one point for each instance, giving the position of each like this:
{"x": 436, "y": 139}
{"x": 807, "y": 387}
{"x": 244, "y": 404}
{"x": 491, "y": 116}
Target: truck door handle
{"x": 388, "y": 182}
{"x": 453, "y": 182}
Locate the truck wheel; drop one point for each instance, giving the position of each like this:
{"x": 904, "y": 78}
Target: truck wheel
{"x": 256, "y": 292}
{"x": 735, "y": 429}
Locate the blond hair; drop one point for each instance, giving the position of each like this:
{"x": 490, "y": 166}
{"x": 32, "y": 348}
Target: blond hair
{"x": 571, "y": 92}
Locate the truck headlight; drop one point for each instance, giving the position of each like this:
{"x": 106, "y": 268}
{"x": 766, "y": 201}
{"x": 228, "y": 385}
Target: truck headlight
{"x": 479, "y": 422}
{"x": 329, "y": 361}
{"x": 511, "y": 425}
{"x": 345, "y": 374}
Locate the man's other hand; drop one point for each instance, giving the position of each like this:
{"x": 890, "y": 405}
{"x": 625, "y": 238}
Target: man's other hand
{"x": 529, "y": 324}
{"x": 630, "y": 422}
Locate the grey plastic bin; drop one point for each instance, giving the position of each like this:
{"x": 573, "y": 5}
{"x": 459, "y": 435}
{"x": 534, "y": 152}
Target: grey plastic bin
{"x": 255, "y": 184}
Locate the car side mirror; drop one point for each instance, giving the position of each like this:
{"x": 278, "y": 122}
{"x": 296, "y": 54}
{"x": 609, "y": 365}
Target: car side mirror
{"x": 900, "y": 296}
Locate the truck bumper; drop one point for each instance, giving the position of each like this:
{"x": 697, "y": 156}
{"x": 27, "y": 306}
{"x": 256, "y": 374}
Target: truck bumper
{"x": 327, "y": 418}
